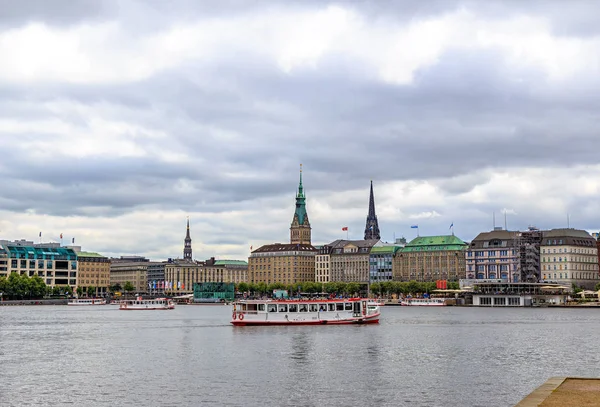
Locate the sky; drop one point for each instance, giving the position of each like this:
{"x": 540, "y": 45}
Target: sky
{"x": 118, "y": 120}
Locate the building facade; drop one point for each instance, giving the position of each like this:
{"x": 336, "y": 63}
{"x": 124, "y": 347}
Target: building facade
{"x": 431, "y": 258}
{"x": 381, "y": 263}
{"x": 323, "y": 264}
{"x": 570, "y": 256}
{"x": 494, "y": 255}
{"x": 3, "y": 263}
{"x": 181, "y": 276}
{"x": 287, "y": 263}
{"x": 94, "y": 271}
{"x": 349, "y": 260}
{"x": 156, "y": 276}
{"x": 282, "y": 263}
{"x": 56, "y": 265}
{"x": 130, "y": 268}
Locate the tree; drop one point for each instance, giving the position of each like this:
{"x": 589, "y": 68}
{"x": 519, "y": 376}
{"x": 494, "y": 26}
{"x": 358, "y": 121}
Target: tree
{"x": 68, "y": 290}
{"x": 242, "y": 287}
{"x": 79, "y": 292}
{"x": 91, "y": 291}
{"x": 128, "y": 287}
{"x": 597, "y": 287}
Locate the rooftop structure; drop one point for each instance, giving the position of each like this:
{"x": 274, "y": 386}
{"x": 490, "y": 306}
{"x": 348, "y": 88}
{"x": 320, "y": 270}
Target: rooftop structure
{"x": 372, "y": 227}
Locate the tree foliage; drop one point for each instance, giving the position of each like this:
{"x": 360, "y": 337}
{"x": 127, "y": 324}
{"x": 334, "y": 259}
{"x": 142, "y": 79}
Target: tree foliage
{"x": 128, "y": 287}
{"x": 382, "y": 289}
{"x": 20, "y": 287}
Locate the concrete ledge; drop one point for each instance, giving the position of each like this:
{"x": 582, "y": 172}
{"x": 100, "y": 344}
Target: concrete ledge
{"x": 564, "y": 392}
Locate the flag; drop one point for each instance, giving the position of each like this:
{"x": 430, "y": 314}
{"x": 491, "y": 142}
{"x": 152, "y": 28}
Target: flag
{"x": 345, "y": 228}
{"x": 371, "y": 228}
{"x": 451, "y": 225}
{"x": 73, "y": 241}
{"x": 182, "y": 286}
{"x": 250, "y": 247}
{"x": 61, "y": 235}
{"x": 414, "y": 227}
{"x": 40, "y": 234}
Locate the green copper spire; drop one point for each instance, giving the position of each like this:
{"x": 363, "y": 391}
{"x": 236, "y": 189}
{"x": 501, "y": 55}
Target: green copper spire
{"x": 300, "y": 201}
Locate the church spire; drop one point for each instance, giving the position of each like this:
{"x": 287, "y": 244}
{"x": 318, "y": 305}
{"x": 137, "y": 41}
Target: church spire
{"x": 372, "y": 227}
{"x": 187, "y": 243}
{"x": 300, "y": 228}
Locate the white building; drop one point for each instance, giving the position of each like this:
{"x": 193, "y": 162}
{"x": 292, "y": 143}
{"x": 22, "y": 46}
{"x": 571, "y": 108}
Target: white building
{"x": 570, "y": 256}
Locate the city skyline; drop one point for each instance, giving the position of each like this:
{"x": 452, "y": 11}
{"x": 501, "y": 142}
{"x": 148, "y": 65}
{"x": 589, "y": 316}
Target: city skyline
{"x": 120, "y": 121}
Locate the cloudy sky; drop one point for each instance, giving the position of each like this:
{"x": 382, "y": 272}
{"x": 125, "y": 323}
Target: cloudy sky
{"x": 118, "y": 119}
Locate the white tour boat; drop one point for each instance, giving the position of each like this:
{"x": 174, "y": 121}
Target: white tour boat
{"x": 140, "y": 304}
{"x": 424, "y": 302}
{"x": 305, "y": 312}
{"x": 87, "y": 301}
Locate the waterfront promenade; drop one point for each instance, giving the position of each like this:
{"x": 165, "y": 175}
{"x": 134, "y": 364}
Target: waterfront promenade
{"x": 565, "y": 392}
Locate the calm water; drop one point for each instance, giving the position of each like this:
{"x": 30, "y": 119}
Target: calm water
{"x": 191, "y": 356}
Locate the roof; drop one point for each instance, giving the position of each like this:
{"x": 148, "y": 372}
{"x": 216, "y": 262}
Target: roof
{"x": 503, "y": 239}
{"x": 385, "y": 249}
{"x": 231, "y": 263}
{"x": 572, "y": 237}
{"x": 39, "y": 252}
{"x": 336, "y": 244}
{"x": 89, "y": 254}
{"x": 434, "y": 243}
{"x": 288, "y": 247}
{"x": 567, "y": 233}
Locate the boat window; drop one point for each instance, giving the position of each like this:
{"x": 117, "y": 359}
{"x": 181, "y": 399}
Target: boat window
{"x": 331, "y": 306}
{"x": 348, "y": 306}
{"x": 313, "y": 307}
{"x": 322, "y": 307}
{"x": 282, "y": 307}
{"x": 293, "y": 308}
{"x": 303, "y": 308}
{"x": 339, "y": 306}
{"x": 272, "y": 307}
{"x": 261, "y": 307}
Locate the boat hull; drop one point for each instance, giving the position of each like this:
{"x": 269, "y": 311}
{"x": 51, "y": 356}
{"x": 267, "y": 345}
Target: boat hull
{"x": 371, "y": 319}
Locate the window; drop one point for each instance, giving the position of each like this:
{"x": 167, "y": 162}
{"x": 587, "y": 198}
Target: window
{"x": 283, "y": 307}
{"x": 271, "y": 307}
{"x": 348, "y": 306}
{"x": 331, "y": 307}
{"x": 313, "y": 308}
{"x": 485, "y": 301}
{"x": 514, "y": 301}
{"x": 293, "y": 308}
{"x": 499, "y": 301}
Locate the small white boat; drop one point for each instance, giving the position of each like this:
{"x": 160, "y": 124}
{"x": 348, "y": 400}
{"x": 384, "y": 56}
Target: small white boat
{"x": 305, "y": 312}
{"x": 87, "y": 301}
{"x": 424, "y": 302}
{"x": 153, "y": 304}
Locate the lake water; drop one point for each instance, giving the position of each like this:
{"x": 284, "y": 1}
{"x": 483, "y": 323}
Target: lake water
{"x": 192, "y": 356}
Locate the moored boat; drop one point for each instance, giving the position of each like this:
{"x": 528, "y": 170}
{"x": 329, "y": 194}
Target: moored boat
{"x": 87, "y": 301}
{"x": 151, "y": 304}
{"x": 305, "y": 312}
{"x": 424, "y": 302}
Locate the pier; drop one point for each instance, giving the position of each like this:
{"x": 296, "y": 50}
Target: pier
{"x": 564, "y": 392}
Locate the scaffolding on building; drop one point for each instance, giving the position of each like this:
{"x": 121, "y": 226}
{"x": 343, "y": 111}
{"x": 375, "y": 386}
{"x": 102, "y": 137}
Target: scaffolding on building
{"x": 528, "y": 249}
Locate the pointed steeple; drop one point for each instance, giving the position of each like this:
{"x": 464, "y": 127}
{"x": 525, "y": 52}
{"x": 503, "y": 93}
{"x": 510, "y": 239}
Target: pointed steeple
{"x": 187, "y": 243}
{"x": 372, "y": 227}
{"x": 300, "y": 228}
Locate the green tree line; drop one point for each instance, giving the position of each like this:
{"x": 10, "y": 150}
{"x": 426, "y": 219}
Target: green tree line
{"x": 382, "y": 289}
{"x": 22, "y": 287}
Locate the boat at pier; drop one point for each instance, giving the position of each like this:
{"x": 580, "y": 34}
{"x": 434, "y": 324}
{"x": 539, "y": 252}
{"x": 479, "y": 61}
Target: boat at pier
{"x": 305, "y": 312}
{"x": 424, "y": 302}
{"x": 152, "y": 304}
{"x": 86, "y": 301}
